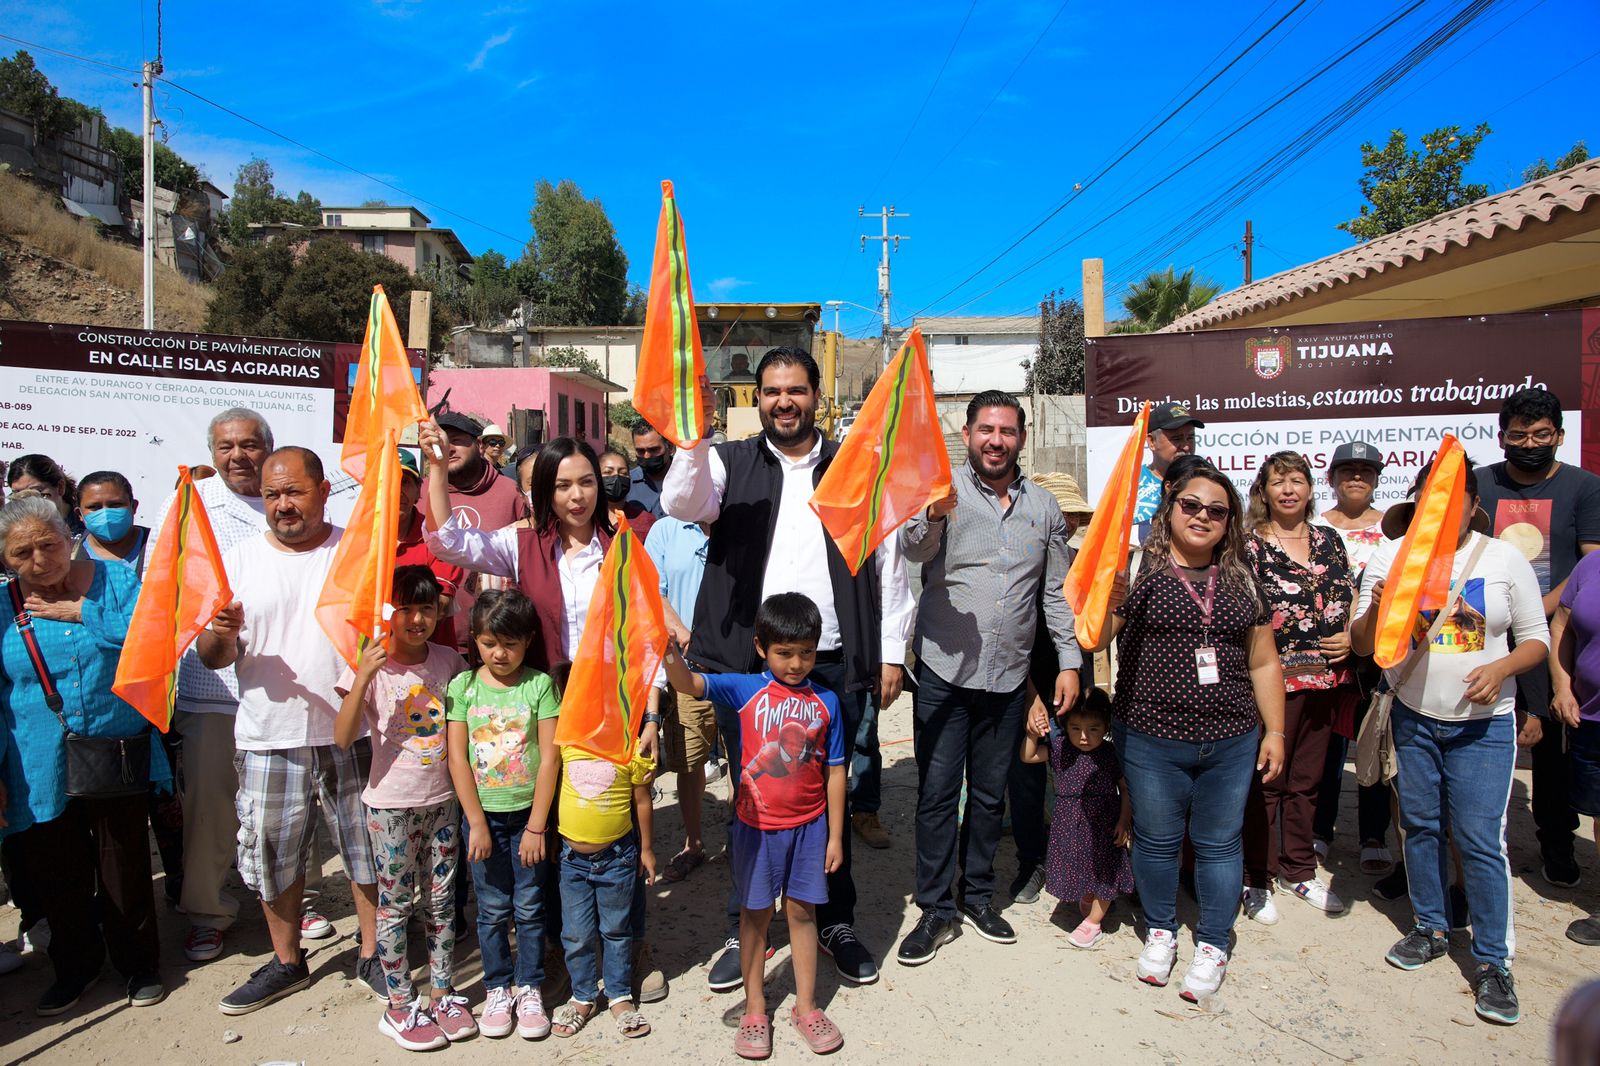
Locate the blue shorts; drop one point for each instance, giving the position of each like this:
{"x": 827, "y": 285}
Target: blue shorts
{"x": 769, "y": 863}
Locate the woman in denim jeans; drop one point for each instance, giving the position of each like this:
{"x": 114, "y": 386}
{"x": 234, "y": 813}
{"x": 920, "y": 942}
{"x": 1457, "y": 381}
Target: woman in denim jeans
{"x": 1455, "y": 740}
{"x": 1198, "y": 678}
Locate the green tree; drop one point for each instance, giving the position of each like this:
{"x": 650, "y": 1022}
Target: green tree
{"x": 25, "y": 90}
{"x": 172, "y": 170}
{"x": 1163, "y": 298}
{"x": 1404, "y": 187}
{"x": 576, "y": 358}
{"x": 1578, "y": 153}
{"x": 1058, "y": 366}
{"x": 256, "y": 199}
{"x": 317, "y": 291}
{"x": 574, "y": 272}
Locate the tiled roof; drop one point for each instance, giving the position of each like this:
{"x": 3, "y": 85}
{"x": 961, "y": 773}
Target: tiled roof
{"x": 980, "y": 324}
{"x": 1574, "y": 189}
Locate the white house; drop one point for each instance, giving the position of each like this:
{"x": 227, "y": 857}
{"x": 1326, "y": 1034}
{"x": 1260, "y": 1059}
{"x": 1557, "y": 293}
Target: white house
{"x": 971, "y": 353}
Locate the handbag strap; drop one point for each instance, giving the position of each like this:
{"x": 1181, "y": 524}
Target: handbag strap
{"x": 1415, "y": 659}
{"x": 30, "y": 641}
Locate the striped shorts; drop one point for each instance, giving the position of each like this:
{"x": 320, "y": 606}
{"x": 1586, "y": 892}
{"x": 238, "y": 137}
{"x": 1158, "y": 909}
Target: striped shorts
{"x": 279, "y": 792}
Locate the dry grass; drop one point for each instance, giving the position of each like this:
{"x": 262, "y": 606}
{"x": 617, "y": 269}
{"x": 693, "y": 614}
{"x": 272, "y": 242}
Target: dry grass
{"x": 34, "y": 217}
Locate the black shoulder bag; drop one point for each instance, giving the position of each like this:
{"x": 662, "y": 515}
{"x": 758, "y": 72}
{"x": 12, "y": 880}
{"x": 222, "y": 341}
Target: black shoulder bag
{"x": 97, "y": 767}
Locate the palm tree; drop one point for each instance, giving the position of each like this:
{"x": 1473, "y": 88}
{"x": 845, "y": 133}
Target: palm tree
{"x": 1164, "y": 297}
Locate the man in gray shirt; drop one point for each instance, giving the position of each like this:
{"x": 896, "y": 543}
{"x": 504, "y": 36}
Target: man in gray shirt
{"x": 987, "y": 552}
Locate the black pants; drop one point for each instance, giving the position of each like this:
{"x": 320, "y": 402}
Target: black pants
{"x": 62, "y": 859}
{"x": 1373, "y": 812}
{"x": 1552, "y": 804}
{"x": 1025, "y": 788}
{"x": 961, "y": 732}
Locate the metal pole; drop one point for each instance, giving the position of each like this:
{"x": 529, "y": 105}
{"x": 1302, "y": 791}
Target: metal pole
{"x": 151, "y": 69}
{"x": 1249, "y": 258}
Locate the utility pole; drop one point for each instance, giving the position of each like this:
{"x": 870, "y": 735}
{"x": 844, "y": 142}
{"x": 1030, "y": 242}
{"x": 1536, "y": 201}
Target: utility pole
{"x": 151, "y": 70}
{"x": 883, "y": 268}
{"x": 1249, "y": 258}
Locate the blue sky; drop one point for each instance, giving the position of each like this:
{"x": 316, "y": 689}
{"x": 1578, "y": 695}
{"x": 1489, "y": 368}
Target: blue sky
{"x": 778, "y": 121}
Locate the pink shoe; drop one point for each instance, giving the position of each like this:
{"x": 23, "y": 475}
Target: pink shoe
{"x": 454, "y": 1017}
{"x": 412, "y": 1028}
{"x": 1087, "y": 935}
{"x": 532, "y": 1022}
{"x": 314, "y": 926}
{"x": 499, "y": 1013}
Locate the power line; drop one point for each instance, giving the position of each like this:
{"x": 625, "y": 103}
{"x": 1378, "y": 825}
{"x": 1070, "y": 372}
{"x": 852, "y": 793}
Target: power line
{"x": 69, "y": 55}
{"x": 889, "y": 167}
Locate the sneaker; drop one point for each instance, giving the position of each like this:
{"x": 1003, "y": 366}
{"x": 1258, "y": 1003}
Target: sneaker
{"x": 1416, "y": 949}
{"x": 35, "y": 938}
{"x": 1315, "y": 893}
{"x": 145, "y": 990}
{"x": 1496, "y": 995}
{"x": 1393, "y": 885}
{"x": 1026, "y": 888}
{"x": 851, "y": 959}
{"x": 1258, "y": 906}
{"x": 1460, "y": 915}
{"x": 532, "y": 1022}
{"x": 499, "y": 1014}
{"x": 62, "y": 996}
{"x": 314, "y": 926}
{"x": 202, "y": 944}
{"x": 869, "y": 829}
{"x": 413, "y": 1028}
{"x": 726, "y": 972}
{"x": 1585, "y": 931}
{"x": 1157, "y": 958}
{"x": 1562, "y": 872}
{"x": 986, "y": 921}
{"x": 454, "y": 1017}
{"x": 369, "y": 971}
{"x": 1087, "y": 935}
{"x": 270, "y": 983}
{"x": 11, "y": 962}
{"x": 651, "y": 981}
{"x": 923, "y": 942}
{"x": 1205, "y": 973}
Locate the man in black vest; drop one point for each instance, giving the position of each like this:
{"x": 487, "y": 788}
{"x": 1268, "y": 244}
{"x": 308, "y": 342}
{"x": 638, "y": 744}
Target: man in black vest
{"x": 765, "y": 539}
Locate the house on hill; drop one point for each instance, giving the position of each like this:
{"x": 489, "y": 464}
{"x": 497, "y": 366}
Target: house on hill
{"x": 404, "y": 234}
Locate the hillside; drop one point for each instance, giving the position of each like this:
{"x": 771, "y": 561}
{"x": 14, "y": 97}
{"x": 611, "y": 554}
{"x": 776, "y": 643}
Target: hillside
{"x": 57, "y": 268}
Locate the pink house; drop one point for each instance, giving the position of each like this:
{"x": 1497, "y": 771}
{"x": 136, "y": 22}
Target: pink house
{"x": 531, "y": 403}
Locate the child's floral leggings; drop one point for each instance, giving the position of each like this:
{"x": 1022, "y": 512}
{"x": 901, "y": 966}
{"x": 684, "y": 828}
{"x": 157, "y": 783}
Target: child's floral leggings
{"x": 415, "y": 851}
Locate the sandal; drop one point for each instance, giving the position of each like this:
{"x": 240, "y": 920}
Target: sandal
{"x": 631, "y": 1024}
{"x": 817, "y": 1030}
{"x": 1376, "y": 859}
{"x": 683, "y": 864}
{"x": 568, "y": 1017}
{"x": 754, "y": 1038}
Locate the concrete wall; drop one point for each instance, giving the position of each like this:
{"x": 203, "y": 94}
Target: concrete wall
{"x": 616, "y": 349}
{"x": 489, "y": 394}
{"x": 1057, "y": 438}
{"x": 991, "y": 361}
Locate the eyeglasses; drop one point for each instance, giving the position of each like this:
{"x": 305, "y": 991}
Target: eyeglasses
{"x": 1192, "y": 507}
{"x": 1538, "y": 436}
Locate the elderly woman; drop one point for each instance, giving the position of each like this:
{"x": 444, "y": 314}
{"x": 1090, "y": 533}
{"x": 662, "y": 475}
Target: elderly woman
{"x": 65, "y": 847}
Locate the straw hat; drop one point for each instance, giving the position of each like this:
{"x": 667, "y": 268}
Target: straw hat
{"x": 1064, "y": 487}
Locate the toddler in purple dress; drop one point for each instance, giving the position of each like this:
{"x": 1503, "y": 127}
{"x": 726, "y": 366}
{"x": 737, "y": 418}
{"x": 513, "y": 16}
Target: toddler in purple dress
{"x": 1088, "y": 858}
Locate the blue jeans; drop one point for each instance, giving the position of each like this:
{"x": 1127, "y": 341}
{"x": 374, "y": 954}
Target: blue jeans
{"x": 508, "y": 891}
{"x": 1178, "y": 785}
{"x": 597, "y": 895}
{"x": 1458, "y": 775}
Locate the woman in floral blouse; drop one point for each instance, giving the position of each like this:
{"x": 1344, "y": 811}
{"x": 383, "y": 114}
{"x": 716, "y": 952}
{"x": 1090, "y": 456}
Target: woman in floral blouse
{"x": 1306, "y": 579}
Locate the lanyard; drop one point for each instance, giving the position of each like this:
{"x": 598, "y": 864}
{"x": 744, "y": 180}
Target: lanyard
{"x": 1206, "y": 605}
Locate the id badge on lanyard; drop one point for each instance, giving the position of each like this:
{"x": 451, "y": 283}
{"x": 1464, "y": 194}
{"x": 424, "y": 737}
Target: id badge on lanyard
{"x": 1205, "y": 656}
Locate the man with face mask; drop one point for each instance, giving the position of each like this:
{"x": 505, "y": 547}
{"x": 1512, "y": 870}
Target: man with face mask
{"x": 1549, "y": 511}
{"x": 655, "y": 459}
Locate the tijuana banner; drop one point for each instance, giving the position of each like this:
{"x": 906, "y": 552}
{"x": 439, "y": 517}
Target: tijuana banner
{"x": 140, "y": 401}
{"x": 1399, "y": 386}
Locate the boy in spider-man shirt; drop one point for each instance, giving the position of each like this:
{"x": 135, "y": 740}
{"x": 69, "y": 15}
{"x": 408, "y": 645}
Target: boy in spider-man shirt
{"x": 789, "y": 833}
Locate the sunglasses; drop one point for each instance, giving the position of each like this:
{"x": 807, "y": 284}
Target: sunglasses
{"x": 1191, "y": 507}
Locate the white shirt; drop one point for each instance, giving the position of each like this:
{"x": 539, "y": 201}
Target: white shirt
{"x": 1501, "y": 595}
{"x": 579, "y": 572}
{"x": 287, "y": 667}
{"x": 797, "y": 560}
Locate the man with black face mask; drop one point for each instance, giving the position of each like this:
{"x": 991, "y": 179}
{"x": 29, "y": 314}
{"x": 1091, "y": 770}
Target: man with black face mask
{"x": 1550, "y": 511}
{"x": 655, "y": 459}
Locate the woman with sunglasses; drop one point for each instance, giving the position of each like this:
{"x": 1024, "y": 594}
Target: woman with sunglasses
{"x": 1306, "y": 579}
{"x": 1198, "y": 680}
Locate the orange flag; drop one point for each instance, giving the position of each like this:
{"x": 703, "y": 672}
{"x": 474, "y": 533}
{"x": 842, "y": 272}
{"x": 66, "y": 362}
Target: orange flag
{"x": 384, "y": 397}
{"x": 354, "y": 607}
{"x": 892, "y": 463}
{"x": 1105, "y": 545}
{"x": 624, "y": 640}
{"x": 1419, "y": 577}
{"x": 672, "y": 367}
{"x": 184, "y": 588}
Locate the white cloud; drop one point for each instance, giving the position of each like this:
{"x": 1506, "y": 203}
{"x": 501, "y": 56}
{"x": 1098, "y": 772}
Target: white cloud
{"x": 399, "y": 9}
{"x": 722, "y": 288}
{"x": 488, "y": 46}
{"x": 525, "y": 82}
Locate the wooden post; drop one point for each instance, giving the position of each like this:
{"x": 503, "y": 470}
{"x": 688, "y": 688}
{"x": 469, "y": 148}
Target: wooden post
{"x": 421, "y": 316}
{"x": 1094, "y": 297}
